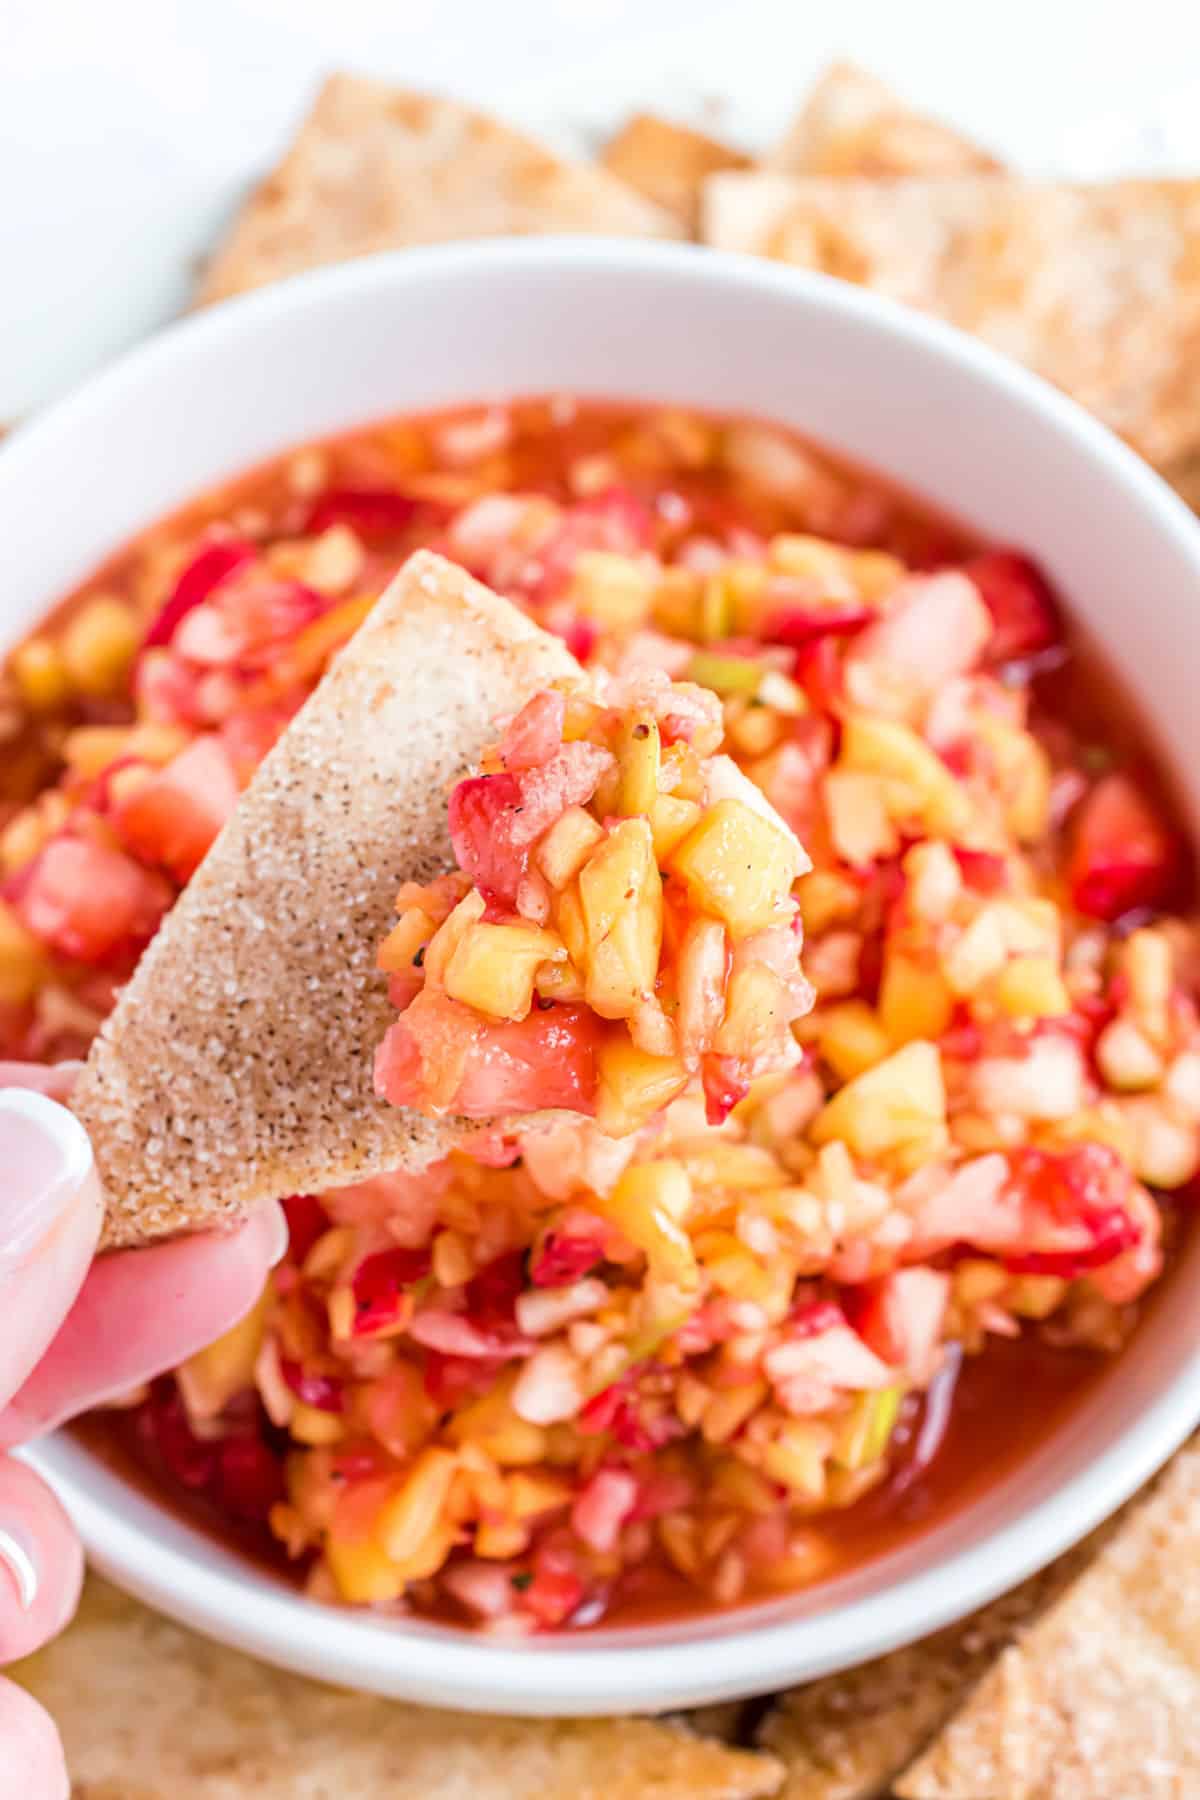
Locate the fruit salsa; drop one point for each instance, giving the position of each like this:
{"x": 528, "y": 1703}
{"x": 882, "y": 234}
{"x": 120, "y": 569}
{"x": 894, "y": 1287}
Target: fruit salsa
{"x": 622, "y": 923}
{"x": 605, "y": 1366}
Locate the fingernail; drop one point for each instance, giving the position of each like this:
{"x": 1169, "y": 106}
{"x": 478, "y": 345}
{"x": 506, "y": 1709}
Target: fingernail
{"x": 46, "y": 1158}
{"x": 18, "y": 1555}
{"x": 278, "y": 1240}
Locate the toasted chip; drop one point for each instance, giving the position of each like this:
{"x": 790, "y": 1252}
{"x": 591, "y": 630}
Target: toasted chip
{"x": 375, "y": 167}
{"x": 1095, "y": 287}
{"x": 149, "y": 1711}
{"x": 236, "y": 1065}
{"x": 848, "y": 1736}
{"x": 851, "y": 124}
{"x": 668, "y": 163}
{"x": 1101, "y": 1698}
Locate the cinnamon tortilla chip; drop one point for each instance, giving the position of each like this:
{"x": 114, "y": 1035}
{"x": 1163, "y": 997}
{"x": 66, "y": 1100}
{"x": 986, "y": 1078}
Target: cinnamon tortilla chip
{"x": 150, "y": 1711}
{"x": 1101, "y": 1698}
{"x": 669, "y": 163}
{"x": 375, "y": 167}
{"x": 847, "y": 1736}
{"x": 237, "y": 1063}
{"x": 1095, "y": 287}
{"x": 852, "y": 124}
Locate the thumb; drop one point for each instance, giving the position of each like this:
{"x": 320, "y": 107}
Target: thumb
{"x": 50, "y": 1214}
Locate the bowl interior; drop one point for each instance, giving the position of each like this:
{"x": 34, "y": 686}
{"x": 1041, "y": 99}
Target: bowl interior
{"x": 948, "y": 420}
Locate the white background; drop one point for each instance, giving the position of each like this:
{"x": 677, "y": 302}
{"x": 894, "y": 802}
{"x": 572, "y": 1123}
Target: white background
{"x": 129, "y": 128}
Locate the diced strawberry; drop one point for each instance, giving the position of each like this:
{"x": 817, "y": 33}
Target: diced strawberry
{"x": 1085, "y": 1192}
{"x": 248, "y": 1479}
{"x": 565, "y": 1257}
{"x": 492, "y": 1293}
{"x": 602, "y": 1507}
{"x": 1123, "y": 856}
{"x": 900, "y": 1317}
{"x": 618, "y": 1410}
{"x": 818, "y": 669}
{"x": 380, "y": 1287}
{"x": 809, "y": 1318}
{"x": 186, "y": 1457}
{"x": 545, "y": 1061}
{"x": 535, "y": 734}
{"x": 983, "y": 870}
{"x": 723, "y": 1084}
{"x": 88, "y": 901}
{"x": 371, "y": 512}
{"x": 615, "y": 520}
{"x": 556, "y": 1588}
{"x": 1016, "y": 593}
{"x": 579, "y": 635}
{"x": 213, "y": 562}
{"x": 324, "y": 1392}
{"x": 481, "y": 810}
{"x": 451, "y": 1379}
{"x": 307, "y": 1220}
{"x": 174, "y": 817}
{"x": 800, "y": 626}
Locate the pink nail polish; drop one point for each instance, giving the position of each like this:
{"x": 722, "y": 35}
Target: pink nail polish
{"x": 18, "y": 1557}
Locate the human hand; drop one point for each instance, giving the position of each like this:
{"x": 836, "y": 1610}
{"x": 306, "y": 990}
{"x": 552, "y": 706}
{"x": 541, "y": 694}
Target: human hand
{"x": 74, "y": 1333}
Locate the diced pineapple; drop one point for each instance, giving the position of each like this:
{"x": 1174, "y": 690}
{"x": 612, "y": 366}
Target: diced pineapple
{"x": 1127, "y": 1059}
{"x": 23, "y": 964}
{"x": 446, "y": 938}
{"x": 405, "y": 941}
{"x": 851, "y": 1038}
{"x": 855, "y": 804}
{"x": 1031, "y": 987}
{"x": 676, "y": 602}
{"x": 568, "y": 916}
{"x": 620, "y": 893}
{"x": 737, "y": 866}
{"x": 363, "y": 1572}
{"x": 492, "y": 1425}
{"x": 616, "y": 591}
{"x": 914, "y": 999}
{"x": 1022, "y": 773}
{"x": 211, "y": 1377}
{"x": 925, "y": 787}
{"x": 633, "y": 1087}
{"x": 99, "y": 644}
{"x": 638, "y": 755}
{"x": 1166, "y": 1149}
{"x": 407, "y": 1519}
{"x": 567, "y": 846}
{"x": 826, "y": 899}
{"x": 310, "y": 1425}
{"x": 755, "y": 1019}
{"x": 559, "y": 981}
{"x": 898, "y": 1103}
{"x": 647, "y": 1206}
{"x": 41, "y": 674}
{"x": 1146, "y": 964}
{"x": 797, "y": 1458}
{"x": 492, "y": 967}
{"x": 670, "y": 821}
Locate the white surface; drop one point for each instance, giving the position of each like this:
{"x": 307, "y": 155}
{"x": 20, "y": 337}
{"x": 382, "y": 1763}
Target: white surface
{"x": 129, "y": 128}
{"x": 995, "y": 447}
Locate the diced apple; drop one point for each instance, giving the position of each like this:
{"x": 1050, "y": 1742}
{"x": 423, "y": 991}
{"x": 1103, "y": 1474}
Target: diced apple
{"x": 883, "y": 747}
{"x": 648, "y": 1205}
{"x": 632, "y": 1086}
{"x": 737, "y": 866}
{"x": 364, "y": 1574}
{"x": 756, "y": 1015}
{"x": 1022, "y": 771}
{"x": 210, "y": 1378}
{"x": 567, "y": 846}
{"x": 620, "y": 893}
{"x": 901, "y": 1101}
{"x": 616, "y": 591}
{"x": 492, "y": 967}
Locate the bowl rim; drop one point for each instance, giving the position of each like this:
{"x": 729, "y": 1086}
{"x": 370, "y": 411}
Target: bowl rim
{"x": 455, "y": 1668}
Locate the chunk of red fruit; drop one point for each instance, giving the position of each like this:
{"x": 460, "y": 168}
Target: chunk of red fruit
{"x": 208, "y": 568}
{"x": 1123, "y": 856}
{"x": 380, "y": 1287}
{"x": 1018, "y": 596}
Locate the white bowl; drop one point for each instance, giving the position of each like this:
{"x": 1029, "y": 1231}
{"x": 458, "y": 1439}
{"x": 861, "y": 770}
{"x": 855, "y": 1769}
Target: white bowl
{"x": 966, "y": 430}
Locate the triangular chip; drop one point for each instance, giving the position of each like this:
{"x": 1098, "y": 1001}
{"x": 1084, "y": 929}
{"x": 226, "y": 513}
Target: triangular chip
{"x": 236, "y": 1065}
{"x": 375, "y": 167}
{"x": 149, "y": 1711}
{"x": 847, "y": 1736}
{"x": 1101, "y": 1698}
{"x": 1095, "y": 287}
{"x": 669, "y": 163}
{"x": 852, "y": 124}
